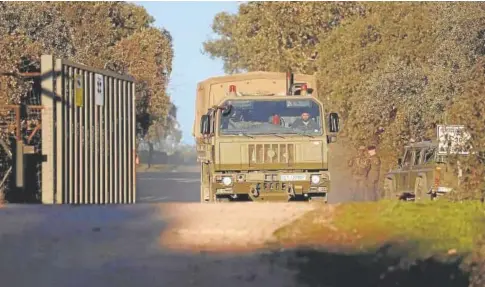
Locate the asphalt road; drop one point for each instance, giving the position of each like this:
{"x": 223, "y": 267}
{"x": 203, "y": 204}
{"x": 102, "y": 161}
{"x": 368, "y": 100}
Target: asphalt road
{"x": 155, "y": 187}
{"x": 120, "y": 246}
{"x": 111, "y": 246}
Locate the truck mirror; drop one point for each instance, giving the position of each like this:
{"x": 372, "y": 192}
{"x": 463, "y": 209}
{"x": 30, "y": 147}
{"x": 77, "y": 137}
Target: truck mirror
{"x": 333, "y": 123}
{"x": 227, "y": 110}
{"x": 331, "y": 139}
{"x": 205, "y": 124}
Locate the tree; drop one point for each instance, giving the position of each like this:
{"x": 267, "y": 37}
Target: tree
{"x": 113, "y": 35}
{"x": 274, "y": 36}
{"x": 393, "y": 70}
{"x": 147, "y": 55}
{"x": 469, "y": 109}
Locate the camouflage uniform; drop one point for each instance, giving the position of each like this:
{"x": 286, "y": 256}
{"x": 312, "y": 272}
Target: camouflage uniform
{"x": 360, "y": 166}
{"x": 373, "y": 176}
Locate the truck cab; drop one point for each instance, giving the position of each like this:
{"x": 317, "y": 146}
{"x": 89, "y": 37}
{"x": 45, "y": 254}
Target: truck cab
{"x": 258, "y": 143}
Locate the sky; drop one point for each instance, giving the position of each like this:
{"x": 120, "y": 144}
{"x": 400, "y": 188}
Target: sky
{"x": 189, "y": 23}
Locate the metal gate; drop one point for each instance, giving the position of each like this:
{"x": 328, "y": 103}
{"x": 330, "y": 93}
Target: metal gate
{"x": 88, "y": 134}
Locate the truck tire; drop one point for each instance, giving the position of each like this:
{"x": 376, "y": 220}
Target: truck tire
{"x": 222, "y": 199}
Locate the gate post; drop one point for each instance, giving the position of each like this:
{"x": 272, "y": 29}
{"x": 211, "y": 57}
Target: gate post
{"x": 48, "y": 98}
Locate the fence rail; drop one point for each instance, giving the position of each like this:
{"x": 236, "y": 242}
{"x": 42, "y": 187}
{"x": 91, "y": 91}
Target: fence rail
{"x": 88, "y": 134}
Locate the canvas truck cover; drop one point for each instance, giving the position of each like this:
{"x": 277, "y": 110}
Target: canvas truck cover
{"x": 213, "y": 90}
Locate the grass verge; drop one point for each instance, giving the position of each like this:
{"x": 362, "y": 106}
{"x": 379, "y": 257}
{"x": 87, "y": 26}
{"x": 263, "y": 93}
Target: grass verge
{"x": 432, "y": 228}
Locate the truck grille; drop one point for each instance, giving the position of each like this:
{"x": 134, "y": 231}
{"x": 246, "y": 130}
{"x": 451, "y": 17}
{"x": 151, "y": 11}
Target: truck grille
{"x": 271, "y": 154}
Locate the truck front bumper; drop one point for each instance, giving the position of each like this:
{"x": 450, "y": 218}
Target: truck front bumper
{"x": 268, "y": 186}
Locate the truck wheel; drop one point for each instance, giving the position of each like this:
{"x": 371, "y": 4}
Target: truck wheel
{"x": 222, "y": 199}
{"x": 420, "y": 189}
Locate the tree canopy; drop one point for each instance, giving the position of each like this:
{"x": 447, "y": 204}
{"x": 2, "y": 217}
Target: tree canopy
{"x": 392, "y": 70}
{"x": 114, "y": 35}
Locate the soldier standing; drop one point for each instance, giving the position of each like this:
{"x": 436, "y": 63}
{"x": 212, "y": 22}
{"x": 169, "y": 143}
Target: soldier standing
{"x": 360, "y": 166}
{"x": 150, "y": 154}
{"x": 374, "y": 172}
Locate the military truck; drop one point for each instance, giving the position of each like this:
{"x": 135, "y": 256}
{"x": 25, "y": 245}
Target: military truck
{"x": 263, "y": 136}
{"x": 424, "y": 171}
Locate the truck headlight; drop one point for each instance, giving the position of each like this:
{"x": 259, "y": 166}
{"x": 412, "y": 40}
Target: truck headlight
{"x": 315, "y": 178}
{"x": 226, "y": 181}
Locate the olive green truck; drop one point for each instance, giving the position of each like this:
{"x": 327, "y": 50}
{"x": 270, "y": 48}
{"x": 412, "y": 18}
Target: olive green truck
{"x": 263, "y": 136}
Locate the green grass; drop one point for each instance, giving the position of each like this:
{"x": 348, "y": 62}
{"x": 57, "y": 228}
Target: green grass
{"x": 432, "y": 228}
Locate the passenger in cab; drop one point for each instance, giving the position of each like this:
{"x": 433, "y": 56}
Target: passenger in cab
{"x": 305, "y": 123}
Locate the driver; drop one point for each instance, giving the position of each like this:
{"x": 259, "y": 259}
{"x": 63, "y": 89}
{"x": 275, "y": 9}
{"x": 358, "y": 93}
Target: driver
{"x": 234, "y": 120}
{"x": 305, "y": 123}
{"x": 236, "y": 115}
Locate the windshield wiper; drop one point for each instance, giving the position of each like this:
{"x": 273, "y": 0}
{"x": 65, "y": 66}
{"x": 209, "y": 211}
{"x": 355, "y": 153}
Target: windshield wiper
{"x": 304, "y": 134}
{"x": 244, "y": 134}
{"x": 278, "y": 135}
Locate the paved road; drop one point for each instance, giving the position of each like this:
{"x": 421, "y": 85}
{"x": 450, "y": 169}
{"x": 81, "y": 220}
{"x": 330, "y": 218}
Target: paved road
{"x": 153, "y": 187}
{"x": 168, "y": 187}
{"x": 110, "y": 246}
{"x": 122, "y": 246}
{"x": 119, "y": 246}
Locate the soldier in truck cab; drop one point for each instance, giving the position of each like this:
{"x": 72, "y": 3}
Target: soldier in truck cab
{"x": 305, "y": 123}
{"x": 231, "y": 120}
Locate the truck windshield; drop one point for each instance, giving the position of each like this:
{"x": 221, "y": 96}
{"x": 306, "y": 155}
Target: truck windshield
{"x": 295, "y": 116}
